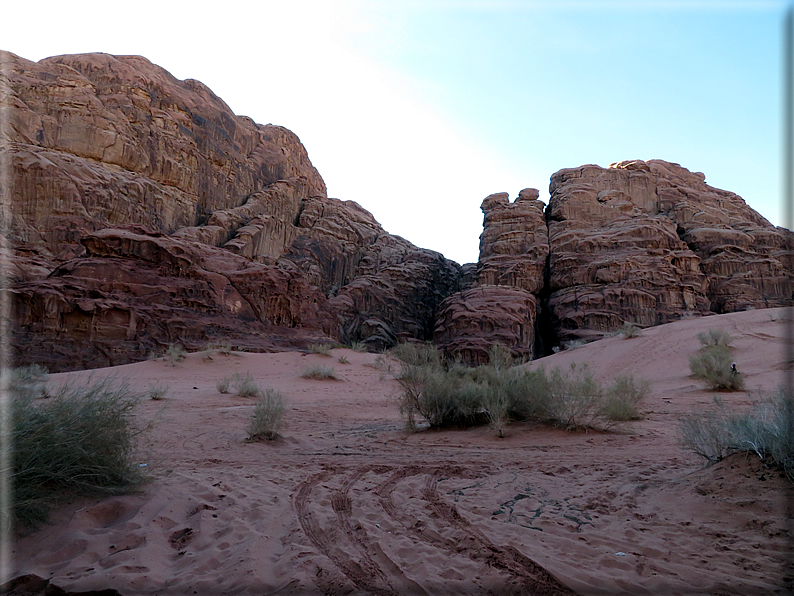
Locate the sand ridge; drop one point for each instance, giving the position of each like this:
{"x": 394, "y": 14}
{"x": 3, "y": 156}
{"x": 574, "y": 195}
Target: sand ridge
{"x": 348, "y": 502}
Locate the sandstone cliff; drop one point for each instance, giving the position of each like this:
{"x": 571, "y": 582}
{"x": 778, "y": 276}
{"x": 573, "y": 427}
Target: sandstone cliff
{"x": 637, "y": 242}
{"x": 144, "y": 212}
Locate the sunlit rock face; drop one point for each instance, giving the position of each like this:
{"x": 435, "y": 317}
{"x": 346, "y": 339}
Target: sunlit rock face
{"x": 145, "y": 212}
{"x": 636, "y": 242}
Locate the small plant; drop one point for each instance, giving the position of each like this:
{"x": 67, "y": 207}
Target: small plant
{"x": 320, "y": 373}
{"x": 320, "y": 349}
{"x": 713, "y": 362}
{"x": 267, "y": 417}
{"x": 175, "y": 353}
{"x": 574, "y": 397}
{"x": 573, "y": 344}
{"x": 29, "y": 381}
{"x": 79, "y": 442}
{"x": 158, "y": 391}
{"x": 358, "y": 346}
{"x": 630, "y": 330}
{"x": 623, "y": 398}
{"x": 224, "y": 384}
{"x": 222, "y": 347}
{"x": 343, "y": 360}
{"x": 715, "y": 337}
{"x": 245, "y": 386}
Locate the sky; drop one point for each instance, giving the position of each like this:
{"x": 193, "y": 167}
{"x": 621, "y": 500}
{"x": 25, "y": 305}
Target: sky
{"x": 418, "y": 110}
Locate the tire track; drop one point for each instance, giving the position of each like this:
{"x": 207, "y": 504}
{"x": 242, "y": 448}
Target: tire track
{"x": 363, "y": 561}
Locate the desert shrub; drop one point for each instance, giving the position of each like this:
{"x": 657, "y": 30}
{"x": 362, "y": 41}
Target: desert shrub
{"x": 222, "y": 347}
{"x": 573, "y": 344}
{"x": 707, "y": 434}
{"x": 358, "y": 346}
{"x": 244, "y": 385}
{"x": 574, "y": 397}
{"x": 320, "y": 373}
{"x": 713, "y": 364}
{"x": 623, "y": 398}
{"x": 175, "y": 353}
{"x": 630, "y": 330}
{"x": 320, "y": 349}
{"x": 158, "y": 391}
{"x": 29, "y": 381}
{"x": 715, "y": 337}
{"x": 224, "y": 384}
{"x": 767, "y": 430}
{"x": 343, "y": 360}
{"x": 79, "y": 442}
{"x": 267, "y": 416}
{"x": 416, "y": 354}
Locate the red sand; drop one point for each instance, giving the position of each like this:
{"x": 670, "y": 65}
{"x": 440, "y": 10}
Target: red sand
{"x": 348, "y": 502}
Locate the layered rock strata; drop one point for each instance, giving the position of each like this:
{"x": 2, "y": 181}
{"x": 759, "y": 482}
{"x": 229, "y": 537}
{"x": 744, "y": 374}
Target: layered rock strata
{"x": 499, "y": 300}
{"x": 144, "y": 212}
{"x": 637, "y": 242}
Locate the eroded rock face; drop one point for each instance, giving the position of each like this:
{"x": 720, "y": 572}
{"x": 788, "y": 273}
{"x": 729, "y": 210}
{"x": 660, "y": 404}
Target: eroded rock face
{"x": 650, "y": 242}
{"x": 637, "y": 242}
{"x": 498, "y": 302}
{"x": 473, "y": 320}
{"x": 144, "y": 212}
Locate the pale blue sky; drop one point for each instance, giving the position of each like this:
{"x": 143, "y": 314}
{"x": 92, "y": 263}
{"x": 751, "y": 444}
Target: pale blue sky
{"x": 418, "y": 110}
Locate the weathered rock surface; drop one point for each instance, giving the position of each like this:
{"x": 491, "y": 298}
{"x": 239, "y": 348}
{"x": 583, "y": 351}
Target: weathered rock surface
{"x": 498, "y": 302}
{"x": 144, "y": 212}
{"x": 471, "y": 321}
{"x": 650, "y": 242}
{"x": 637, "y": 242}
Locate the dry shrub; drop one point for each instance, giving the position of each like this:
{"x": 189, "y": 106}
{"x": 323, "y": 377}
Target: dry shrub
{"x": 320, "y": 349}
{"x": 224, "y": 384}
{"x": 630, "y": 330}
{"x": 267, "y": 417}
{"x": 79, "y": 442}
{"x": 767, "y": 430}
{"x": 245, "y": 386}
{"x": 320, "y": 373}
{"x": 175, "y": 353}
{"x": 158, "y": 391}
{"x": 623, "y": 397}
{"x": 713, "y": 362}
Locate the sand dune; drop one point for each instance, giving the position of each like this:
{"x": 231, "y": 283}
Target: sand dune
{"x": 347, "y": 502}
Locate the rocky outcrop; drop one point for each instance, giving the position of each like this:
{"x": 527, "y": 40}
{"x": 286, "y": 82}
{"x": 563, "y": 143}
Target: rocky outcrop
{"x": 499, "y": 298}
{"x": 470, "y": 322}
{"x": 144, "y": 212}
{"x": 637, "y": 242}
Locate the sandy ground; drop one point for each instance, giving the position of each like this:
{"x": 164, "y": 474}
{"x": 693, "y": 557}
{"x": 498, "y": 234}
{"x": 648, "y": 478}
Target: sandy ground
{"x": 348, "y": 502}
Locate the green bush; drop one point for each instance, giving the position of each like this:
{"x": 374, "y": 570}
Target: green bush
{"x": 320, "y": 373}
{"x": 713, "y": 363}
{"x": 715, "y": 337}
{"x": 455, "y": 395}
{"x": 267, "y": 416}
{"x": 766, "y": 430}
{"x": 623, "y": 398}
{"x": 79, "y": 442}
{"x": 343, "y": 360}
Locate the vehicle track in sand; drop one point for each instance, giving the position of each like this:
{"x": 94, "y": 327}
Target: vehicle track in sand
{"x": 343, "y": 529}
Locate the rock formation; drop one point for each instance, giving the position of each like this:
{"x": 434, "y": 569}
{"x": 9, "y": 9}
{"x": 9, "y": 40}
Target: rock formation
{"x": 500, "y": 301}
{"x": 144, "y": 212}
{"x": 637, "y": 242}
